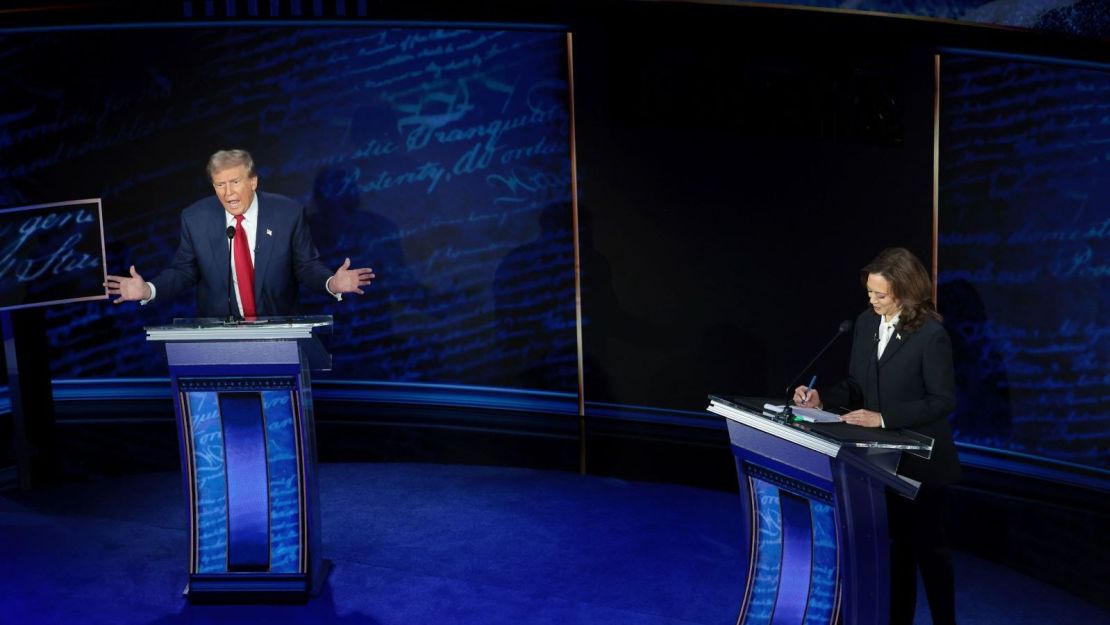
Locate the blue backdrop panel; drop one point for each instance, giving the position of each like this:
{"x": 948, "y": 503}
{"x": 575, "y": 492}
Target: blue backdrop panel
{"x": 439, "y": 157}
{"x": 1023, "y": 253}
{"x": 1075, "y": 17}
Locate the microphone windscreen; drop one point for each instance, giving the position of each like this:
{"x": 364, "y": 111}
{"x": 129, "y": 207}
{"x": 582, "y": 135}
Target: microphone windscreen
{"x": 231, "y": 235}
{"x": 844, "y": 326}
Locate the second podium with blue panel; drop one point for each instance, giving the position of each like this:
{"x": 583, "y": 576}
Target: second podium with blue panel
{"x": 814, "y": 515}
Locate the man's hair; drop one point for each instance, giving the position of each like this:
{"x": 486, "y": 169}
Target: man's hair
{"x": 909, "y": 283}
{"x": 230, "y": 158}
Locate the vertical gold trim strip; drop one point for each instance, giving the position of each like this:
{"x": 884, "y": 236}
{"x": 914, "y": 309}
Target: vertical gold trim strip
{"x": 753, "y": 540}
{"x": 936, "y": 169}
{"x": 577, "y": 263}
{"x": 302, "y": 504}
{"x": 191, "y": 476}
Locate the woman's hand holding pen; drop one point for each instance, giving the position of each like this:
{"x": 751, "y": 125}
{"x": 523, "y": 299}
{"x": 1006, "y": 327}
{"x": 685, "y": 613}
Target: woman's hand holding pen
{"x": 807, "y": 397}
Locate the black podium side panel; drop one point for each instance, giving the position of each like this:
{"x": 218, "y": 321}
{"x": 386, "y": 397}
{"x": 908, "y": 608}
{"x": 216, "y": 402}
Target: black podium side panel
{"x": 26, "y": 356}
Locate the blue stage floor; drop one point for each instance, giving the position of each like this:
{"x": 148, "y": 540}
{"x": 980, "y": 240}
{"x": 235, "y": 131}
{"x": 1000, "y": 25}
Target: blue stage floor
{"x": 442, "y": 544}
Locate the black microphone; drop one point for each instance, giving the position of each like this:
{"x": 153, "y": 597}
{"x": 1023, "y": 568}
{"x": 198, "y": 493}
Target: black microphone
{"x": 845, "y": 326}
{"x": 230, "y": 295}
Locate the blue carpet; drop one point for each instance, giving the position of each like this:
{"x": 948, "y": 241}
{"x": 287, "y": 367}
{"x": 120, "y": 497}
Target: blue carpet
{"x": 441, "y": 544}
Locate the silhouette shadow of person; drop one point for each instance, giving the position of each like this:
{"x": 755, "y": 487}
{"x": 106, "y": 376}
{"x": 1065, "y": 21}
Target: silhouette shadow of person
{"x": 375, "y": 349}
{"x": 983, "y": 411}
{"x": 534, "y": 295}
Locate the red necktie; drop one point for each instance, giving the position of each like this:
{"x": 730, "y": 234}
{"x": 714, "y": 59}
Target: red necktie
{"x": 244, "y": 268}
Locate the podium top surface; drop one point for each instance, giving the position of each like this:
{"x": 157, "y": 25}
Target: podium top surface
{"x": 259, "y": 329}
{"x": 827, "y": 438}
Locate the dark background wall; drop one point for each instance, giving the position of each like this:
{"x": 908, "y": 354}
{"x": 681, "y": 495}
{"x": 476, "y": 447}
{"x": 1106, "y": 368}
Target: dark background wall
{"x": 735, "y": 178}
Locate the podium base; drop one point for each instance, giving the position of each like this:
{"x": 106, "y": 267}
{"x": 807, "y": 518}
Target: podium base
{"x": 226, "y": 588}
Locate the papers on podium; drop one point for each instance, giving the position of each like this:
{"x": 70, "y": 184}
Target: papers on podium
{"x": 811, "y": 415}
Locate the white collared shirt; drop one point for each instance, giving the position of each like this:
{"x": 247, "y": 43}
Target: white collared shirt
{"x": 886, "y": 331}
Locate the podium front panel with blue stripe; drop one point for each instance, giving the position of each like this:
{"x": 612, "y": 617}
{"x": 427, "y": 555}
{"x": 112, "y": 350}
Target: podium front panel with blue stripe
{"x": 814, "y": 519}
{"x": 248, "y": 449}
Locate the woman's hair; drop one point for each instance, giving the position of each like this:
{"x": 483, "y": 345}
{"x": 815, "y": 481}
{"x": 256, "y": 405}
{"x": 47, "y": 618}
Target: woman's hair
{"x": 909, "y": 283}
{"x": 230, "y": 158}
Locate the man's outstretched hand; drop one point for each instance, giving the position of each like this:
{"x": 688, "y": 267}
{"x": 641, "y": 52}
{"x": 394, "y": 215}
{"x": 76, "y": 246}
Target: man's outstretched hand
{"x": 129, "y": 288}
{"x": 347, "y": 280}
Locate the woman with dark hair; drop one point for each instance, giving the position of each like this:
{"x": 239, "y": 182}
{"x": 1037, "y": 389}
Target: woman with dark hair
{"x": 900, "y": 376}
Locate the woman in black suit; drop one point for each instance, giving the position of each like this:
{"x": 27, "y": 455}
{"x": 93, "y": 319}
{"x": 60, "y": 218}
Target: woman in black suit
{"x": 901, "y": 376}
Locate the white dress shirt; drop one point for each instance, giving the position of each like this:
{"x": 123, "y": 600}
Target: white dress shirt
{"x": 886, "y": 331}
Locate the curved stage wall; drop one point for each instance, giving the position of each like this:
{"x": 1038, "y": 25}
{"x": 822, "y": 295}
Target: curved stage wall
{"x": 441, "y": 157}
{"x": 723, "y": 168}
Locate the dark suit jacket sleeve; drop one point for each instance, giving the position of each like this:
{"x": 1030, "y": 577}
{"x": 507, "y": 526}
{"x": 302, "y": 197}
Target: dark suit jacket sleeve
{"x": 939, "y": 380}
{"x": 309, "y": 269}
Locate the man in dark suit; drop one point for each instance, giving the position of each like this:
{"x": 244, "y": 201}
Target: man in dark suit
{"x": 271, "y": 252}
{"x": 901, "y": 376}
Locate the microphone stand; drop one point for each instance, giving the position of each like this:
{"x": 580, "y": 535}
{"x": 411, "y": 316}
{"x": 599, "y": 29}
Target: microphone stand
{"x": 787, "y": 412}
{"x": 230, "y": 296}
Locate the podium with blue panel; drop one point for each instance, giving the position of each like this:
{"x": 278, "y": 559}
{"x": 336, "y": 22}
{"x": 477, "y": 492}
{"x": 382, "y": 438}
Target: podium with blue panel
{"x": 243, "y": 400}
{"x": 814, "y": 515}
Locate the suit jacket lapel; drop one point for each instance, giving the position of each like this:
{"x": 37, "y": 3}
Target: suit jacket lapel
{"x": 893, "y": 345}
{"x": 263, "y": 245}
{"x": 216, "y": 225}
